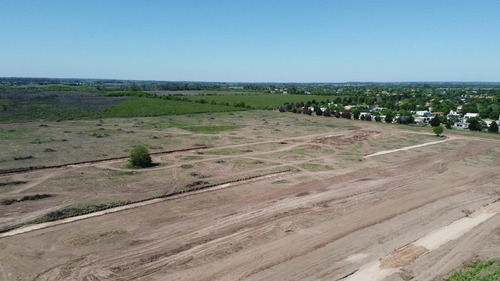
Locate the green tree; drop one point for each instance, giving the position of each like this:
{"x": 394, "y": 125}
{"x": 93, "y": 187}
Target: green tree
{"x": 139, "y": 157}
{"x": 435, "y": 121}
{"x": 494, "y": 114}
{"x": 493, "y": 128}
{"x": 438, "y": 130}
{"x": 474, "y": 124}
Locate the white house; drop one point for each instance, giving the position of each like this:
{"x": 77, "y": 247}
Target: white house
{"x": 422, "y": 113}
{"x": 422, "y": 120}
{"x": 471, "y": 115}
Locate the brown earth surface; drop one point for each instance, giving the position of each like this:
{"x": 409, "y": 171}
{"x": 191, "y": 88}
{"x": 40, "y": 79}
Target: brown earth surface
{"x": 331, "y": 217}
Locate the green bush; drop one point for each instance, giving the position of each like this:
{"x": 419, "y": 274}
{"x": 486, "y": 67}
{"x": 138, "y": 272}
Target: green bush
{"x": 438, "y": 130}
{"x": 139, "y": 157}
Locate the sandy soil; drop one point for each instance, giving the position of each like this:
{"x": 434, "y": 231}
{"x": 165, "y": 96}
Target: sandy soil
{"x": 410, "y": 214}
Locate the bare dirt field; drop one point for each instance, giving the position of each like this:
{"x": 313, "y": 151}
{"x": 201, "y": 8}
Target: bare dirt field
{"x": 310, "y": 198}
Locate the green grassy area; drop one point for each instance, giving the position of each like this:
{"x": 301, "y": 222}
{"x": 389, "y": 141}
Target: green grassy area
{"x": 156, "y": 107}
{"x": 479, "y": 271}
{"x": 211, "y": 129}
{"x": 50, "y": 87}
{"x": 25, "y": 107}
{"x": 258, "y": 101}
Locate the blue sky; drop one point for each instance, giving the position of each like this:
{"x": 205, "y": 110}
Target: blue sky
{"x": 252, "y": 41}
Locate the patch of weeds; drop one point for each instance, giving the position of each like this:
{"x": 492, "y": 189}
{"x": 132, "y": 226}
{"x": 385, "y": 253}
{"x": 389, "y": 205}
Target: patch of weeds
{"x": 220, "y": 161}
{"x": 280, "y": 182}
{"x": 39, "y": 141}
{"x": 197, "y": 175}
{"x": 23, "y": 157}
{"x": 211, "y": 129}
{"x": 186, "y": 166}
{"x": 316, "y": 167}
{"x": 49, "y": 150}
{"x": 180, "y": 189}
{"x": 78, "y": 210}
{"x": 98, "y": 135}
{"x": 26, "y": 198}
{"x": 119, "y": 174}
{"x": 11, "y": 183}
{"x": 188, "y": 158}
{"x": 480, "y": 270}
{"x": 196, "y": 183}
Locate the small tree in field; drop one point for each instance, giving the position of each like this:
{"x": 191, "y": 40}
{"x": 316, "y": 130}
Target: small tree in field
{"x": 438, "y": 130}
{"x": 139, "y": 157}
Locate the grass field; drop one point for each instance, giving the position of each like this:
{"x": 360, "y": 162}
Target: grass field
{"x": 479, "y": 271}
{"x": 259, "y": 101}
{"x": 23, "y": 105}
{"x": 155, "y": 107}
{"x": 18, "y": 106}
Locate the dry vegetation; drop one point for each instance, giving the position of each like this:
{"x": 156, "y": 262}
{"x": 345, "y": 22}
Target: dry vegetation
{"x": 307, "y": 183}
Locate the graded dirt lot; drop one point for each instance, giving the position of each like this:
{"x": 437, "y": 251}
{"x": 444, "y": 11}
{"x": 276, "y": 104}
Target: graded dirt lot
{"x": 309, "y": 198}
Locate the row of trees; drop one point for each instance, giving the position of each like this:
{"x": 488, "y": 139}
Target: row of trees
{"x": 404, "y": 117}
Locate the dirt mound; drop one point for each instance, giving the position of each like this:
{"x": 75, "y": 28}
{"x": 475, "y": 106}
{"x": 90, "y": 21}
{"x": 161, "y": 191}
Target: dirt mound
{"x": 346, "y": 139}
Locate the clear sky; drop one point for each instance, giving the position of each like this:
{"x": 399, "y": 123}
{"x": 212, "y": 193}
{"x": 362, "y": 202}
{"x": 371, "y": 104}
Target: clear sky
{"x": 252, "y": 41}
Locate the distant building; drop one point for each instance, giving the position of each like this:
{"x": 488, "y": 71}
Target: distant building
{"x": 423, "y": 113}
{"x": 471, "y": 115}
{"x": 421, "y": 120}
{"x": 454, "y": 114}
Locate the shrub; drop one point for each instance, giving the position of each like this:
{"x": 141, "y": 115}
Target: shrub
{"x": 139, "y": 157}
{"x": 438, "y": 130}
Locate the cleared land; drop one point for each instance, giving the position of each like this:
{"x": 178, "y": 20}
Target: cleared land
{"x": 316, "y": 201}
